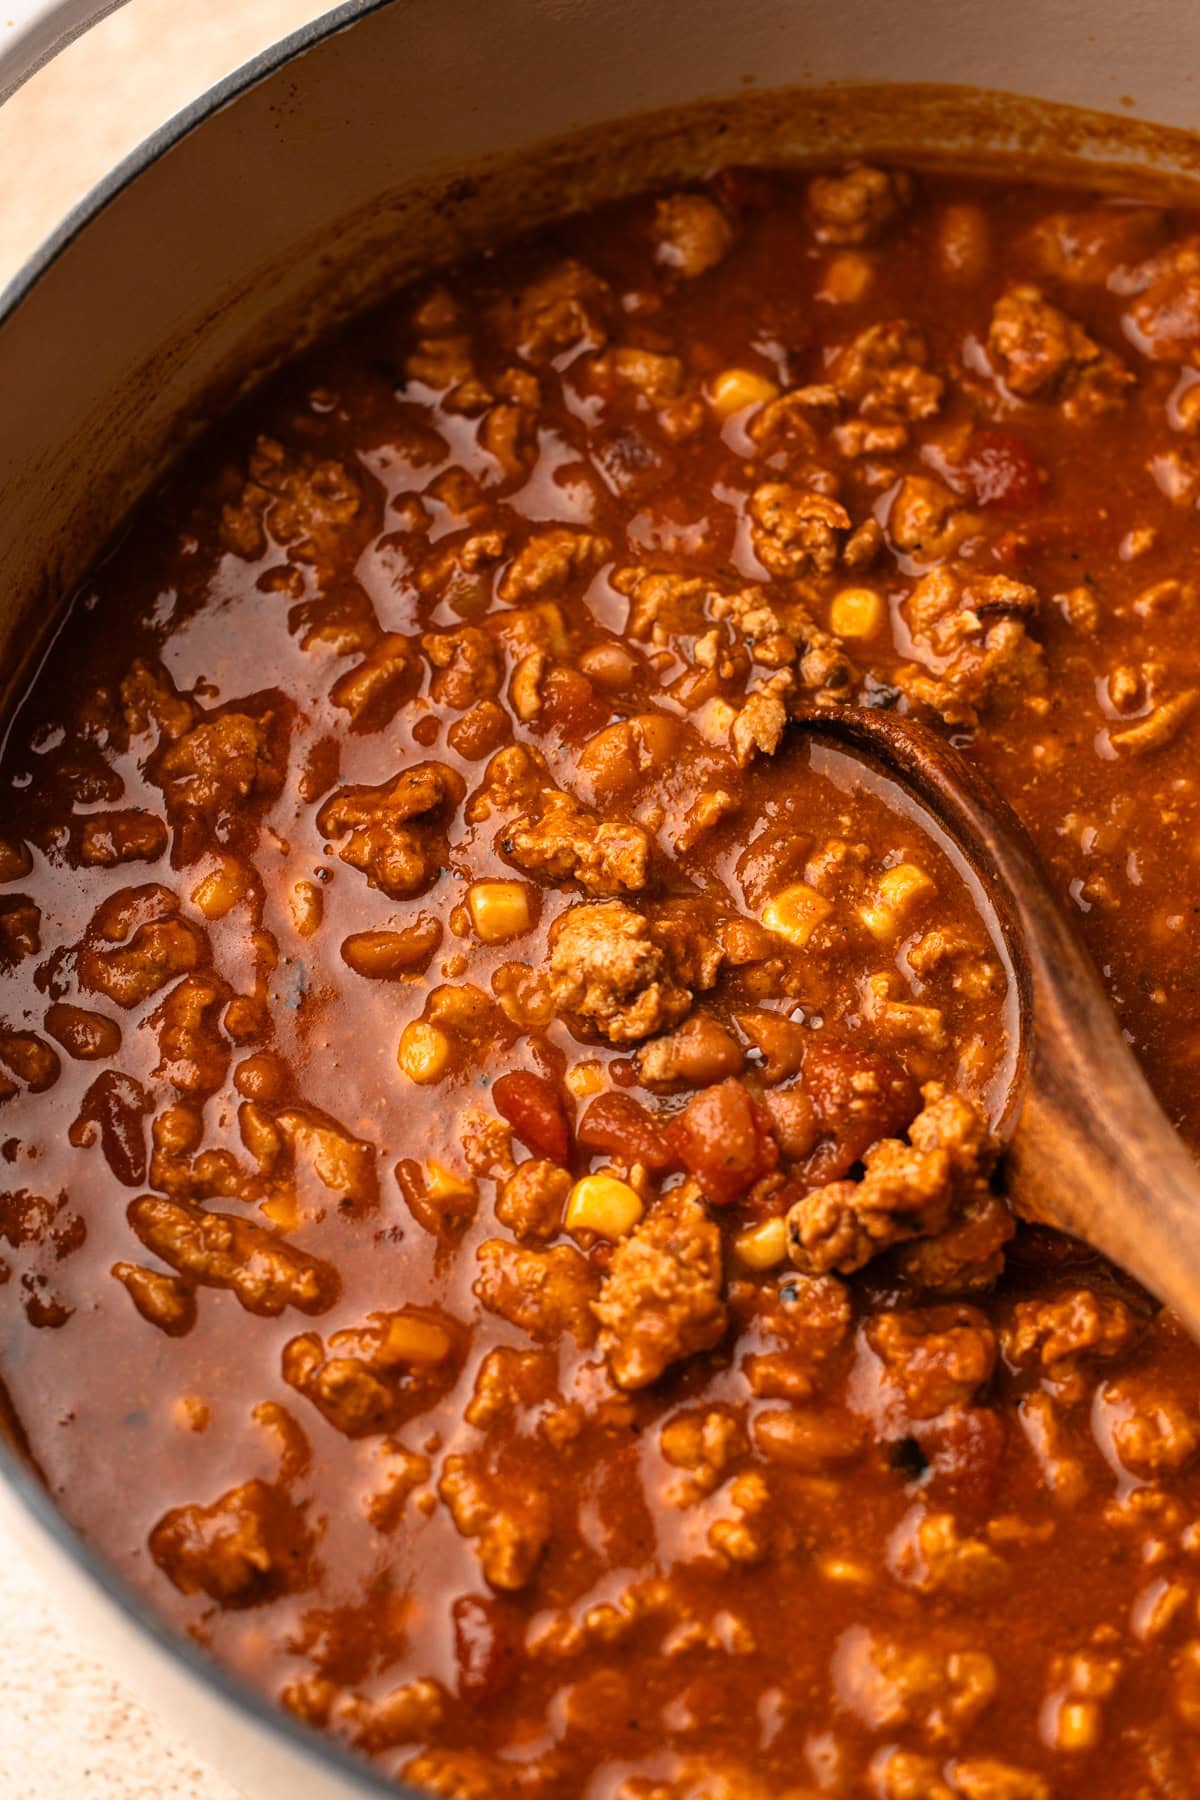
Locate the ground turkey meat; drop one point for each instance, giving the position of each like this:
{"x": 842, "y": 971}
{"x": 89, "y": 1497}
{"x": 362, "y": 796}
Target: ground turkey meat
{"x": 693, "y": 234}
{"x": 984, "y": 1778}
{"x": 223, "y": 1250}
{"x": 218, "y": 764}
{"x": 1164, "y": 319}
{"x": 884, "y": 374}
{"x": 936, "y": 1688}
{"x": 796, "y": 532}
{"x": 1087, "y": 246}
{"x": 929, "y": 1552}
{"x": 544, "y": 1292}
{"x": 304, "y": 503}
{"x": 532, "y": 1200}
{"x": 613, "y": 972}
{"x": 926, "y": 521}
{"x": 372, "y": 1377}
{"x": 934, "y": 1357}
{"x": 395, "y": 833}
{"x": 1042, "y": 354}
{"x": 563, "y": 840}
{"x": 163, "y": 1300}
{"x": 465, "y": 1775}
{"x": 971, "y": 631}
{"x": 661, "y": 1299}
{"x": 245, "y": 1547}
{"x": 1148, "y": 1429}
{"x": 793, "y": 1333}
{"x": 549, "y": 560}
{"x": 509, "y": 1520}
{"x": 406, "y": 1714}
{"x": 854, "y": 207}
{"x": 466, "y": 666}
{"x": 1053, "y": 1334}
{"x": 906, "y": 1191}
{"x": 564, "y": 309}
{"x": 968, "y": 1255}
{"x": 205, "y": 762}
{"x": 108, "y": 839}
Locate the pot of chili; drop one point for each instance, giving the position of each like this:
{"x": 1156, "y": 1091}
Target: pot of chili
{"x": 385, "y": 141}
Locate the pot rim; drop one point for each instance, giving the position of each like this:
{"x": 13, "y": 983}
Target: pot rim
{"x": 299, "y": 1739}
{"x": 38, "y": 30}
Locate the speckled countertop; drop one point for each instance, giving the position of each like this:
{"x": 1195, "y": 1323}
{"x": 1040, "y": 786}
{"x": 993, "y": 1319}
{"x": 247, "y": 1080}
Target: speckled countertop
{"x": 67, "y": 1731}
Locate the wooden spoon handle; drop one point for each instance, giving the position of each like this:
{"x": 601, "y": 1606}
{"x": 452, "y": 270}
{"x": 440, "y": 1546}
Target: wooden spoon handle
{"x": 1089, "y": 1149}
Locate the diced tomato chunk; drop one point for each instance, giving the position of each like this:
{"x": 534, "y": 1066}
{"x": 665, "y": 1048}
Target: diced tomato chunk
{"x": 1002, "y": 470}
{"x": 857, "y": 1096}
{"x": 723, "y": 1138}
{"x": 536, "y": 1113}
{"x": 617, "y": 1125}
{"x": 571, "y": 705}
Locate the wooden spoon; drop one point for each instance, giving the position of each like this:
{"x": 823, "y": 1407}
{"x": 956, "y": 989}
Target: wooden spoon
{"x": 1088, "y": 1148}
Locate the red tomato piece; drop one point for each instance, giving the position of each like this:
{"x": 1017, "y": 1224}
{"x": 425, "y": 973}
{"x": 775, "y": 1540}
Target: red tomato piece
{"x": 857, "y": 1097}
{"x": 618, "y": 1126}
{"x": 1002, "y": 470}
{"x": 723, "y": 1137}
{"x": 571, "y": 706}
{"x": 536, "y": 1113}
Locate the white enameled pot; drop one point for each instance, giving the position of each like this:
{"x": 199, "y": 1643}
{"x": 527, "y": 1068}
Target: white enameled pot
{"x": 388, "y": 135}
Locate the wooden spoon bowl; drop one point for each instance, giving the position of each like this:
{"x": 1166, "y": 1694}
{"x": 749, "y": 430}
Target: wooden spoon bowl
{"x": 1088, "y": 1148}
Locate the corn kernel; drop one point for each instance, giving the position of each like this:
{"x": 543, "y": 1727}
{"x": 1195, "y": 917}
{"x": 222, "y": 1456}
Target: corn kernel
{"x": 847, "y": 278}
{"x": 585, "y": 1079}
{"x": 733, "y": 389}
{"x": 845, "y": 1571}
{"x": 879, "y": 920}
{"x": 795, "y": 913}
{"x": 603, "y": 1204}
{"x": 1078, "y": 1725}
{"x": 856, "y": 612}
{"x": 442, "y": 1183}
{"x": 424, "y": 1053}
{"x": 499, "y": 909}
{"x": 411, "y": 1339}
{"x": 762, "y": 1246}
{"x": 900, "y": 886}
{"x": 895, "y": 891}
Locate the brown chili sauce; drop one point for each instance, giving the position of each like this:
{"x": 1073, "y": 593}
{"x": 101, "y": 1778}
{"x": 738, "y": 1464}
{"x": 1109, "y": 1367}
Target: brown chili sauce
{"x": 500, "y": 1236}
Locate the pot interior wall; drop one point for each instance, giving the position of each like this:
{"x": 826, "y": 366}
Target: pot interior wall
{"x": 395, "y": 143}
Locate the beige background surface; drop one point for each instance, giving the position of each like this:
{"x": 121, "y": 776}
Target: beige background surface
{"x": 80, "y": 115}
{"x": 67, "y": 1731}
